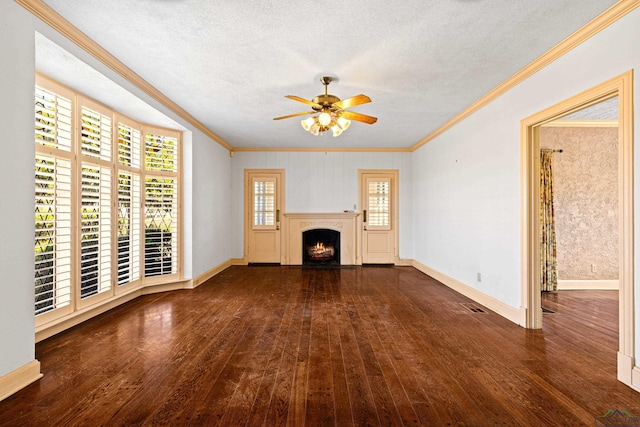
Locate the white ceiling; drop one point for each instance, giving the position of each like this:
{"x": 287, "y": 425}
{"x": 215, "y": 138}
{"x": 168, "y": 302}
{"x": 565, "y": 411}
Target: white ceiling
{"x": 229, "y": 64}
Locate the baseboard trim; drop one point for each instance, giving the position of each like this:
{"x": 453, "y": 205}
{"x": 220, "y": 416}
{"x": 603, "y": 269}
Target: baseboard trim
{"x": 572, "y": 285}
{"x": 238, "y": 261}
{"x": 19, "y": 378}
{"x": 212, "y": 272}
{"x": 513, "y": 314}
{"x": 404, "y": 262}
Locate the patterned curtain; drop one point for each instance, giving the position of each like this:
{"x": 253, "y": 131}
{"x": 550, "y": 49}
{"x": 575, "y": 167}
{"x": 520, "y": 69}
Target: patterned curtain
{"x": 548, "y": 261}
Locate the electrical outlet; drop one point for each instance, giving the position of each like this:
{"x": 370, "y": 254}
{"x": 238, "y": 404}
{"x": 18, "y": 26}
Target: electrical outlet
{"x": 479, "y": 277}
{"x": 354, "y": 206}
{"x": 593, "y": 268}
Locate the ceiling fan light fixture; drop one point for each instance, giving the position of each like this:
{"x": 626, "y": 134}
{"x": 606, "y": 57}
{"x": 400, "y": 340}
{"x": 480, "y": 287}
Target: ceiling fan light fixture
{"x": 337, "y": 130}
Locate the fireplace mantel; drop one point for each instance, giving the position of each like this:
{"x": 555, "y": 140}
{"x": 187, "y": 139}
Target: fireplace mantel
{"x": 344, "y": 222}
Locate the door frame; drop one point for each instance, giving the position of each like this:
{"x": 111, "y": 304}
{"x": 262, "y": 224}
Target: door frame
{"x": 248, "y": 205}
{"x": 395, "y": 203}
{"x": 622, "y": 87}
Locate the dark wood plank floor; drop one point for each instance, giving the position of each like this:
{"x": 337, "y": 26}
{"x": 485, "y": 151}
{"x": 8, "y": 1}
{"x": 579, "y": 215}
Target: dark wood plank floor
{"x": 336, "y": 347}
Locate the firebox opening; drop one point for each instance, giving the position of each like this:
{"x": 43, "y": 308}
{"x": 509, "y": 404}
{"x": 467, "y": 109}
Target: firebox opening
{"x": 321, "y": 246}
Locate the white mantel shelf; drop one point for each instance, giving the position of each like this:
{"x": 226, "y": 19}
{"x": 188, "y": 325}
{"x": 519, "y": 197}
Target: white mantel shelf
{"x": 346, "y": 223}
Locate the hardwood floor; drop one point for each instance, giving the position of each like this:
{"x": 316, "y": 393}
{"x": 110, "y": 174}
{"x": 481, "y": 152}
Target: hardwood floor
{"x": 353, "y": 346}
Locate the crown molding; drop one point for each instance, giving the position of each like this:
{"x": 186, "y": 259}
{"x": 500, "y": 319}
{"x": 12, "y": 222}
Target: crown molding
{"x": 323, "y": 150}
{"x": 64, "y": 27}
{"x": 602, "y": 21}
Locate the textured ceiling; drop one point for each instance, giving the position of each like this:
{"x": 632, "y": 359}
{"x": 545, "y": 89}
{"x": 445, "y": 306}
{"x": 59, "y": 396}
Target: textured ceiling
{"x": 229, "y": 64}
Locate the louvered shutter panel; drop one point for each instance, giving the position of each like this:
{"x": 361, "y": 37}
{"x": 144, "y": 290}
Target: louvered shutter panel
{"x": 128, "y": 228}
{"x": 52, "y": 233}
{"x": 161, "y": 223}
{"x": 96, "y": 134}
{"x": 379, "y": 201}
{"x": 52, "y": 120}
{"x": 95, "y": 230}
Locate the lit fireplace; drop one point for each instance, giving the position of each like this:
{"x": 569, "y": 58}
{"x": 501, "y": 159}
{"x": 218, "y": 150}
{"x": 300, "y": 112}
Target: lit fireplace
{"x": 321, "y": 246}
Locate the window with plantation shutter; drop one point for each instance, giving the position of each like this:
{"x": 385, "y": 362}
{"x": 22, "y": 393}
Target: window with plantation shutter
{"x": 379, "y": 197}
{"x": 53, "y": 233}
{"x": 129, "y": 199}
{"x": 160, "y": 204}
{"x": 95, "y": 230}
{"x": 53, "y": 193}
{"x": 106, "y": 202}
{"x": 264, "y": 203}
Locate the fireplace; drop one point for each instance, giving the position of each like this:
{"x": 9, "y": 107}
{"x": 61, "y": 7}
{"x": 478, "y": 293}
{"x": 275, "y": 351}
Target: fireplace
{"x": 321, "y": 246}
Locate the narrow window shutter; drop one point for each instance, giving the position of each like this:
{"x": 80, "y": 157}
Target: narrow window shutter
{"x": 95, "y": 230}
{"x": 52, "y": 120}
{"x": 161, "y": 226}
{"x": 52, "y": 233}
{"x": 379, "y": 198}
{"x": 128, "y": 228}
{"x": 96, "y": 134}
{"x": 264, "y": 203}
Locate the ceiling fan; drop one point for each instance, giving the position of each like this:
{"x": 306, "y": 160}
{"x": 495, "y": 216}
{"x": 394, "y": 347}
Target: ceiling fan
{"x": 333, "y": 114}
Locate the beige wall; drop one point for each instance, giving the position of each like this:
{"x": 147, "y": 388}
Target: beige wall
{"x": 585, "y": 200}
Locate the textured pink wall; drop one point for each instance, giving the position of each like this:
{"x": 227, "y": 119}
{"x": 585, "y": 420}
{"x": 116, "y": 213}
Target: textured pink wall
{"x": 585, "y": 200}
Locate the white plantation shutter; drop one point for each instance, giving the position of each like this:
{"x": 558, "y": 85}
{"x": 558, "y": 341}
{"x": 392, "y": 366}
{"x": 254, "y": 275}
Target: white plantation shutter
{"x": 160, "y": 202}
{"x": 53, "y": 233}
{"x": 379, "y": 201}
{"x": 52, "y": 120}
{"x": 128, "y": 146}
{"x": 95, "y": 230}
{"x": 96, "y": 134}
{"x": 264, "y": 203}
{"x": 128, "y": 228}
{"x": 161, "y": 226}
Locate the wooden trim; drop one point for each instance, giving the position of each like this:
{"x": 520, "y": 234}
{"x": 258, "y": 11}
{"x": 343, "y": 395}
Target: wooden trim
{"x": 19, "y": 378}
{"x": 238, "y": 261}
{"x": 64, "y": 27}
{"x": 606, "y": 18}
{"x": 210, "y": 273}
{"x": 622, "y": 87}
{"x": 570, "y": 285}
{"x": 324, "y": 150}
{"x": 513, "y": 314}
{"x": 582, "y": 124}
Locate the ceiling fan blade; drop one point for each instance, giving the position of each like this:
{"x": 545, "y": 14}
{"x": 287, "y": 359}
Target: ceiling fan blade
{"x": 352, "y": 102}
{"x": 304, "y": 101}
{"x": 294, "y": 115}
{"x": 350, "y": 115}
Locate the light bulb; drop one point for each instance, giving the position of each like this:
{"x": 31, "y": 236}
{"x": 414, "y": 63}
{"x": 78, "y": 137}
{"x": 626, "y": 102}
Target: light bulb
{"x": 336, "y": 131}
{"x": 307, "y": 123}
{"x": 343, "y": 123}
{"x": 324, "y": 119}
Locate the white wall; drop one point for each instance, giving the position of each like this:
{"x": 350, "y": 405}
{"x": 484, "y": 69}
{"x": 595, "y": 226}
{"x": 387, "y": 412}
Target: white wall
{"x": 466, "y": 182}
{"x": 206, "y": 183}
{"x": 322, "y": 182}
{"x": 17, "y": 54}
{"x": 211, "y": 207}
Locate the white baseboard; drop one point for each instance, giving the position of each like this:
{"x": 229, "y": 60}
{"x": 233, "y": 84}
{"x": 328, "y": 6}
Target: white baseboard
{"x": 515, "y": 315}
{"x": 211, "y": 272}
{"x": 19, "y": 378}
{"x": 573, "y": 285}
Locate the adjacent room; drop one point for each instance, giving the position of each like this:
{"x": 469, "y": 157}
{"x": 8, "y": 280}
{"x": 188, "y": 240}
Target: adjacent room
{"x": 319, "y": 214}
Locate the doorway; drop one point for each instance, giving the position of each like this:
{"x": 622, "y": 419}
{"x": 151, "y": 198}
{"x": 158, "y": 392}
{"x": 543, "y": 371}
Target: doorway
{"x": 378, "y": 198}
{"x": 622, "y": 88}
{"x": 264, "y": 199}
